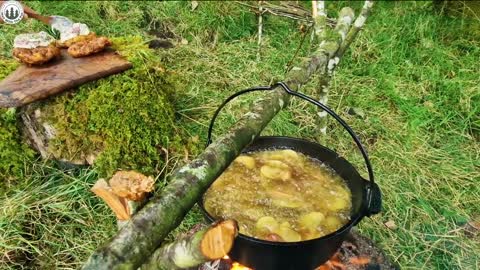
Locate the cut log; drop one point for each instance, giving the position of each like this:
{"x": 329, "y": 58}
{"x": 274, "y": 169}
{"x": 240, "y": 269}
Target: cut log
{"x": 206, "y": 244}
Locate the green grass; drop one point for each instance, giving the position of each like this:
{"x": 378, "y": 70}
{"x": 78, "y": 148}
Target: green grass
{"x": 414, "y": 73}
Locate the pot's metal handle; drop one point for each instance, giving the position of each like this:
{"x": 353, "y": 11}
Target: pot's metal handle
{"x": 373, "y": 191}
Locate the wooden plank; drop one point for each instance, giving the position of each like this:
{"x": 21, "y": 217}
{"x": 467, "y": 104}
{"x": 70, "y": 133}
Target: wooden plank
{"x": 28, "y": 84}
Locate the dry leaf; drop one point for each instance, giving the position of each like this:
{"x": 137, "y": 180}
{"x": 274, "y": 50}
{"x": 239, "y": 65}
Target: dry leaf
{"x": 474, "y": 224}
{"x": 194, "y": 5}
{"x": 472, "y": 228}
{"x": 391, "y": 225}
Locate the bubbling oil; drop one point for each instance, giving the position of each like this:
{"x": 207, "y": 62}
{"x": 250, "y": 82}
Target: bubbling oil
{"x": 280, "y": 195}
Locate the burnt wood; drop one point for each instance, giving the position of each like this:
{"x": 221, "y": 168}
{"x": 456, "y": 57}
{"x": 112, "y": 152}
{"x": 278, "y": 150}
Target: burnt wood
{"x": 31, "y": 83}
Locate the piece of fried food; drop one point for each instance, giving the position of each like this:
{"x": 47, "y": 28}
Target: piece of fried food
{"x": 88, "y": 47}
{"x": 36, "y": 56}
{"x": 70, "y": 42}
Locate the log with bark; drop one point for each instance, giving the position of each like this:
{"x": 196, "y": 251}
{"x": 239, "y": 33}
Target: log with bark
{"x": 125, "y": 194}
{"x": 147, "y": 229}
{"x": 202, "y": 245}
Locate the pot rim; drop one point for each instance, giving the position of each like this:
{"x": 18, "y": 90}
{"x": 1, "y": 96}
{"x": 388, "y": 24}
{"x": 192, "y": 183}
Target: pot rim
{"x": 355, "y": 218}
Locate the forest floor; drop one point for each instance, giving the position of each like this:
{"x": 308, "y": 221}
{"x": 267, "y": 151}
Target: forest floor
{"x": 413, "y": 72}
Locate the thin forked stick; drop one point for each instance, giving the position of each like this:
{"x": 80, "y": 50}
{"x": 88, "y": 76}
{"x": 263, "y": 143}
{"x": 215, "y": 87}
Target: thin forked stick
{"x": 357, "y": 26}
{"x": 260, "y": 29}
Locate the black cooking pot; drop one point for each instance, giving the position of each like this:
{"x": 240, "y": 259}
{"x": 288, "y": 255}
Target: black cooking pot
{"x": 305, "y": 255}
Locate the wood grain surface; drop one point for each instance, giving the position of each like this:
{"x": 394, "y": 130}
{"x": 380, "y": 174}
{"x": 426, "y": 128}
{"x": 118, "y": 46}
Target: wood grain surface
{"x": 30, "y": 83}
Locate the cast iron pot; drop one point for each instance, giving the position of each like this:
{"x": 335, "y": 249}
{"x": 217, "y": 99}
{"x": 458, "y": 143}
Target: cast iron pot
{"x": 305, "y": 255}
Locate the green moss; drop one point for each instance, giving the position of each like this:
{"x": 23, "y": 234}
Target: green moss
{"x": 125, "y": 119}
{"x": 13, "y": 153}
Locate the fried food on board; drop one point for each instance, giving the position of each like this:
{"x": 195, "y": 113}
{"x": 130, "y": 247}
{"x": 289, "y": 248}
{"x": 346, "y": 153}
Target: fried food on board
{"x": 36, "y": 56}
{"x": 71, "y": 41}
{"x": 35, "y": 48}
{"x": 88, "y": 47}
{"x": 80, "y": 41}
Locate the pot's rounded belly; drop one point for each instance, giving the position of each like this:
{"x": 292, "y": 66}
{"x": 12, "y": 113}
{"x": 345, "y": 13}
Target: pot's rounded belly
{"x": 304, "y": 256}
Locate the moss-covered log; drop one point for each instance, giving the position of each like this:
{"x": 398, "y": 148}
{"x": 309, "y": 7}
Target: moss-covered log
{"x": 204, "y": 245}
{"x": 138, "y": 239}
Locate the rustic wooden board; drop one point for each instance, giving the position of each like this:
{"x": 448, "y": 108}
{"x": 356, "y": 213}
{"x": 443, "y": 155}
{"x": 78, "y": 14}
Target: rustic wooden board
{"x": 28, "y": 84}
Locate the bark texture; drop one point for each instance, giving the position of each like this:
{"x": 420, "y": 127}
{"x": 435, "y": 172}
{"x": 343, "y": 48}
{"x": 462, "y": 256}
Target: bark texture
{"x": 206, "y": 244}
{"x": 357, "y": 26}
{"x": 138, "y": 239}
{"x": 334, "y": 40}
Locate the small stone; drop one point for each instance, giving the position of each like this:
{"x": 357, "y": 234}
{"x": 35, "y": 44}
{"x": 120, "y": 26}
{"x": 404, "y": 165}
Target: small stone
{"x": 90, "y": 159}
{"x": 356, "y": 111}
{"x": 184, "y": 41}
{"x": 391, "y": 225}
{"x": 428, "y": 104}
{"x": 194, "y": 5}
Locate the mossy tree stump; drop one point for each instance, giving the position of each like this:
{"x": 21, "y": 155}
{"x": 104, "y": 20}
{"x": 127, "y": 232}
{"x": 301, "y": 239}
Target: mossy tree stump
{"x": 124, "y": 121}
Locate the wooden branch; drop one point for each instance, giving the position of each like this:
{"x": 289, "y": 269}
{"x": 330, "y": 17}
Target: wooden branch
{"x": 287, "y": 9}
{"x": 345, "y": 19}
{"x": 204, "y": 245}
{"x": 357, "y": 26}
{"x": 147, "y": 229}
{"x": 314, "y": 9}
{"x": 320, "y": 19}
{"x": 284, "y": 9}
{"x": 260, "y": 29}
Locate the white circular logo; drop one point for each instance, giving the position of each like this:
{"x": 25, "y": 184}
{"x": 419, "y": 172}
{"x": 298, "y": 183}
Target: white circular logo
{"x": 11, "y": 12}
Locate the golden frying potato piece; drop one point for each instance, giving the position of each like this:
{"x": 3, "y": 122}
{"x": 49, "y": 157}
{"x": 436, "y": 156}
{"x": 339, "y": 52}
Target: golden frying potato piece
{"x": 247, "y": 161}
{"x": 287, "y": 233}
{"x": 36, "y": 56}
{"x": 76, "y": 39}
{"x": 88, "y": 47}
{"x": 266, "y": 224}
{"x": 276, "y": 170}
{"x": 282, "y": 199}
{"x": 332, "y": 223}
{"x": 311, "y": 221}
